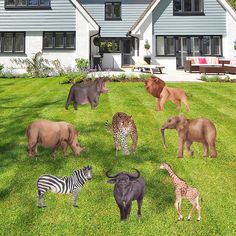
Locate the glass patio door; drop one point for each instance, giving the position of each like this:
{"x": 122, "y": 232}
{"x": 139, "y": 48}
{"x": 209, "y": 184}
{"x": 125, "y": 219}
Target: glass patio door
{"x": 181, "y": 51}
{"x": 127, "y": 52}
{"x": 195, "y": 46}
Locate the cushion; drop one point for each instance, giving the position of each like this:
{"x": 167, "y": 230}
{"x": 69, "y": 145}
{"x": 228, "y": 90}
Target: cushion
{"x": 202, "y": 60}
{"x": 233, "y": 61}
{"x": 230, "y": 65}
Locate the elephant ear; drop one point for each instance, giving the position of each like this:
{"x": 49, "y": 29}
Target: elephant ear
{"x": 72, "y": 134}
{"x": 183, "y": 122}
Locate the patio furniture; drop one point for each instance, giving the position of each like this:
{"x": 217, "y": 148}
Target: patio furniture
{"x": 212, "y": 69}
{"x": 231, "y": 66}
{"x": 192, "y": 64}
{"x": 141, "y": 64}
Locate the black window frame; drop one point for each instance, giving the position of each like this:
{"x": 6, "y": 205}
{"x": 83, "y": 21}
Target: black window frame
{"x": 189, "y": 44}
{"x": 189, "y": 13}
{"x": 111, "y": 39}
{"x": 14, "y": 42}
{"x": 27, "y": 6}
{"x": 64, "y": 41}
{"x": 113, "y": 18}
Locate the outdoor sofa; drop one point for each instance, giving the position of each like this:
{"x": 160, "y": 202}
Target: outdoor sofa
{"x": 192, "y": 64}
{"x": 230, "y": 67}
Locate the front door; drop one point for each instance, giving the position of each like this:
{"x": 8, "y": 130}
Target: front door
{"x": 127, "y": 52}
{"x": 181, "y": 51}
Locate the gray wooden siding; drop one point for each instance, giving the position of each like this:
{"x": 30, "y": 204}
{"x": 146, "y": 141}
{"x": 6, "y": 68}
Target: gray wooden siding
{"x": 62, "y": 17}
{"x": 130, "y": 10}
{"x": 213, "y": 23}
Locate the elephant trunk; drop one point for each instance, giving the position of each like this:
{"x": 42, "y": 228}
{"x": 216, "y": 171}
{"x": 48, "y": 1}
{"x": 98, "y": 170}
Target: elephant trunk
{"x": 163, "y": 137}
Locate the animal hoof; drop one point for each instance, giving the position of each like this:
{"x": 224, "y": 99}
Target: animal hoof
{"x": 75, "y": 206}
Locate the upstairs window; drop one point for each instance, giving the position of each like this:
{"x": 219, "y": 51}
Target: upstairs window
{"x": 59, "y": 40}
{"x": 24, "y": 4}
{"x": 113, "y": 11}
{"x": 12, "y": 42}
{"x": 188, "y": 7}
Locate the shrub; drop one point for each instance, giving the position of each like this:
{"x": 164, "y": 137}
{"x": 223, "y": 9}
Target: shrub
{"x": 58, "y": 68}
{"x": 214, "y": 78}
{"x": 37, "y": 66}
{"x": 74, "y": 77}
{"x": 1, "y": 67}
{"x": 82, "y": 64}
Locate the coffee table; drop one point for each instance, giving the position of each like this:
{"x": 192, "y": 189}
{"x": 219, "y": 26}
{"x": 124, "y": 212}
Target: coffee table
{"x": 212, "y": 69}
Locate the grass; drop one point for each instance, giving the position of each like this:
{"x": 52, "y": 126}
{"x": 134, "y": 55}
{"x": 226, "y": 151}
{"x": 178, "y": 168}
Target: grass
{"x": 25, "y": 100}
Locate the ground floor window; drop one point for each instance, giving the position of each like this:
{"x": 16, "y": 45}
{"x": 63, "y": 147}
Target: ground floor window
{"x": 207, "y": 45}
{"x": 110, "y": 45}
{"x": 59, "y": 40}
{"x": 12, "y": 42}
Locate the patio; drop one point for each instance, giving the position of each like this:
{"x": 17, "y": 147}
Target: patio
{"x": 168, "y": 76}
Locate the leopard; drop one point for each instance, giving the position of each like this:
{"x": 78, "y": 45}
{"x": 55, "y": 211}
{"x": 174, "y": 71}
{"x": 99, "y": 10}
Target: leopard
{"x": 123, "y": 126}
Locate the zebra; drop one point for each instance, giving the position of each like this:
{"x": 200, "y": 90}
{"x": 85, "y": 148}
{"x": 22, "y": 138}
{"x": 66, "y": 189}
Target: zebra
{"x": 63, "y": 185}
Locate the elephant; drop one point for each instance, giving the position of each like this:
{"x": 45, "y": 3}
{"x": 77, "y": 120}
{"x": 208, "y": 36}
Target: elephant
{"x": 192, "y": 130}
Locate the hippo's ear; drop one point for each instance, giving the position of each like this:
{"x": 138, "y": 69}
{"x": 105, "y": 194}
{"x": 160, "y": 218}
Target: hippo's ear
{"x": 111, "y": 181}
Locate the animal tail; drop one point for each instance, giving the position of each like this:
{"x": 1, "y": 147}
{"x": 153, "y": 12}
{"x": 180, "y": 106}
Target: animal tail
{"x": 184, "y": 100}
{"x": 107, "y": 126}
{"x": 70, "y": 97}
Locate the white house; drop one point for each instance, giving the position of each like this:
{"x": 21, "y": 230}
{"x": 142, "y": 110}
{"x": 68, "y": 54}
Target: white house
{"x": 65, "y": 30}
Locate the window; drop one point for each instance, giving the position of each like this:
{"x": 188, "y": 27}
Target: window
{"x": 165, "y": 45}
{"x": 113, "y": 11}
{"x": 109, "y": 45}
{"x": 192, "y": 45}
{"x": 188, "y": 7}
{"x": 31, "y": 4}
{"x": 12, "y": 42}
{"x": 59, "y": 40}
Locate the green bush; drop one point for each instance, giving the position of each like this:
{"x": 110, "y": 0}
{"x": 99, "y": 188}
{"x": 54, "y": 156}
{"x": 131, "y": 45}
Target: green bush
{"x": 74, "y": 77}
{"x": 214, "y": 78}
{"x": 36, "y": 67}
{"x": 1, "y": 67}
{"x": 82, "y": 64}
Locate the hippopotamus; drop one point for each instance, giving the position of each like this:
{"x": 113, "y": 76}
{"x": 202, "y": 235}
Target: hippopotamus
{"x": 50, "y": 134}
{"x": 84, "y": 93}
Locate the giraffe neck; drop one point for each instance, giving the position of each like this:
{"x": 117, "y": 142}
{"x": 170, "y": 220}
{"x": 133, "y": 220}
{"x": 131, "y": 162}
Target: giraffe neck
{"x": 175, "y": 179}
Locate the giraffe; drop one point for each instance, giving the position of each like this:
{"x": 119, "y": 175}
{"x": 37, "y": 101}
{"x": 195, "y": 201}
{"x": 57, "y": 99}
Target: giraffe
{"x": 183, "y": 190}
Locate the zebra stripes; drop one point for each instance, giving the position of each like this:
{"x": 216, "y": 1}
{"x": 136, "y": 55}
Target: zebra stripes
{"x": 63, "y": 185}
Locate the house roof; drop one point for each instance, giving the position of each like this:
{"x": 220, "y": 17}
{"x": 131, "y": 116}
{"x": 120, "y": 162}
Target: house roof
{"x": 84, "y": 12}
{"x": 154, "y": 3}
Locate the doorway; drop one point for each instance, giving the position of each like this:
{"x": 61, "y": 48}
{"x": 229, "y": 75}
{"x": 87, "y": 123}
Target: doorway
{"x": 127, "y": 51}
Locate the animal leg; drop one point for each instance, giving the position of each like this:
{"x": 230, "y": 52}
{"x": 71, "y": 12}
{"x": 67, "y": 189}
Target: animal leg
{"x": 181, "y": 148}
{"x": 122, "y": 212}
{"x": 158, "y": 104}
{"x": 116, "y": 142}
{"x": 74, "y": 197}
{"x": 134, "y": 138}
{"x": 54, "y": 153}
{"x": 124, "y": 145}
{"x": 75, "y": 106}
{"x": 184, "y": 101}
{"x": 206, "y": 150}
{"x": 164, "y": 96}
{"x": 213, "y": 150}
{"x": 128, "y": 210}
{"x": 32, "y": 148}
{"x": 188, "y": 145}
{"x": 192, "y": 210}
{"x": 178, "y": 208}
{"x": 40, "y": 200}
{"x": 177, "y": 103}
{"x": 64, "y": 147}
{"x": 198, "y": 209}
{"x": 140, "y": 202}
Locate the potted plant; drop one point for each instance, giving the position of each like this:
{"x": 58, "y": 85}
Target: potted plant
{"x": 147, "y": 45}
{"x": 96, "y": 41}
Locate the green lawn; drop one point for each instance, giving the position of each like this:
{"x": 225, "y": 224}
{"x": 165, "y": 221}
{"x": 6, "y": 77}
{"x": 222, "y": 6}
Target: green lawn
{"x": 25, "y": 100}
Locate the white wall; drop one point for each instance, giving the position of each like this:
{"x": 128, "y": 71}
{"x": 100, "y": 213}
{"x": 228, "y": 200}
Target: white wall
{"x": 111, "y": 61}
{"x": 33, "y": 44}
{"x": 228, "y": 41}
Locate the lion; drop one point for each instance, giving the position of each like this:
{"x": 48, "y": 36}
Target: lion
{"x": 158, "y": 89}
